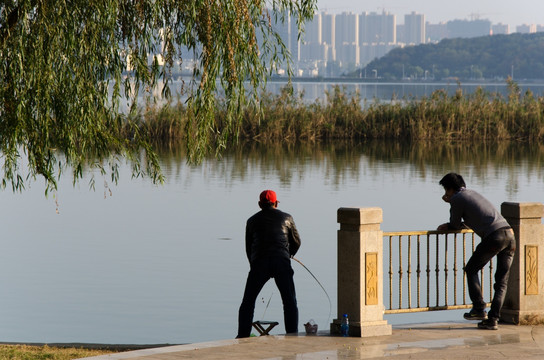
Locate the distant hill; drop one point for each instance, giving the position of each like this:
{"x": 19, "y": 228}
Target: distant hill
{"x": 488, "y": 57}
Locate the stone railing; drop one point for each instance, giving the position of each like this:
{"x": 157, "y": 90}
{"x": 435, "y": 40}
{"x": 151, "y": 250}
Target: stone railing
{"x": 361, "y": 275}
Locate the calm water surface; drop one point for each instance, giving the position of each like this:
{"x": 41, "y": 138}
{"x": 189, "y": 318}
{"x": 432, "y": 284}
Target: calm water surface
{"x": 385, "y": 91}
{"x": 369, "y": 91}
{"x": 166, "y": 264}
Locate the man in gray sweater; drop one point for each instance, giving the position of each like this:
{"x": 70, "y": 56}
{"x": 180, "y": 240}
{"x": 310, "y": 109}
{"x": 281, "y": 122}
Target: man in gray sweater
{"x": 472, "y": 210}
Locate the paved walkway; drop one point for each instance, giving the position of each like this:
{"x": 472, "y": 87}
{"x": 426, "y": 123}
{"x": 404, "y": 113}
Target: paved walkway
{"x": 421, "y": 341}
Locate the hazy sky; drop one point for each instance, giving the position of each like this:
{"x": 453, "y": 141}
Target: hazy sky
{"x": 511, "y": 12}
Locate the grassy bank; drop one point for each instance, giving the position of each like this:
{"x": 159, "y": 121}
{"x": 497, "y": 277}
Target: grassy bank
{"x": 27, "y": 352}
{"x": 287, "y": 118}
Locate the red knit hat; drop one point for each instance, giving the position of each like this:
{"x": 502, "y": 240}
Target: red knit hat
{"x": 268, "y": 196}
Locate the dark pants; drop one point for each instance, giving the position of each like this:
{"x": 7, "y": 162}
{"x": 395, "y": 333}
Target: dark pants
{"x": 261, "y": 271}
{"x": 501, "y": 243}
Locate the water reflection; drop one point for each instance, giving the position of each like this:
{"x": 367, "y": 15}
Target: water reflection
{"x": 339, "y": 160}
{"x": 159, "y": 264}
{"x": 369, "y": 349}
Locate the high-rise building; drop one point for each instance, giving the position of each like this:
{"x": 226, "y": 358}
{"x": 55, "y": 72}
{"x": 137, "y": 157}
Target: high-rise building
{"x": 313, "y": 52}
{"x": 377, "y": 28}
{"x": 347, "y": 38}
{"x": 347, "y": 28}
{"x": 526, "y": 29}
{"x": 468, "y": 28}
{"x": 376, "y": 33}
{"x": 401, "y": 38}
{"x": 500, "y": 28}
{"x": 328, "y": 34}
{"x": 312, "y": 47}
{"x": 312, "y": 30}
{"x": 414, "y": 28}
{"x": 287, "y": 28}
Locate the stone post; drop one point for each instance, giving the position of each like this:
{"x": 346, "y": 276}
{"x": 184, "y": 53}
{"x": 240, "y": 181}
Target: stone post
{"x": 360, "y": 272}
{"x": 524, "y": 300}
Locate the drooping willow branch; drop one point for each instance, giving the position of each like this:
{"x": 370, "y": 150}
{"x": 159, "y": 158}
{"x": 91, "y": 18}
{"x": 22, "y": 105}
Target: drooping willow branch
{"x": 66, "y": 65}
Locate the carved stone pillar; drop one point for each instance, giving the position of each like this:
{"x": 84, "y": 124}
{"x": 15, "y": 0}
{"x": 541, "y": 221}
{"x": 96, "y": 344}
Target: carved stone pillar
{"x": 525, "y": 295}
{"x": 360, "y": 272}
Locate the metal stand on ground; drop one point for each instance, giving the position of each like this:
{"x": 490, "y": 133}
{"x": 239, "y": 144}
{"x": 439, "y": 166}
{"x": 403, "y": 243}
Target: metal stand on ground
{"x": 259, "y": 325}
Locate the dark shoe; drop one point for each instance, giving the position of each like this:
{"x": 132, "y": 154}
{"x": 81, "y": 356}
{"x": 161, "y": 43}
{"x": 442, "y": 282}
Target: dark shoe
{"x": 489, "y": 324}
{"x": 475, "y": 315}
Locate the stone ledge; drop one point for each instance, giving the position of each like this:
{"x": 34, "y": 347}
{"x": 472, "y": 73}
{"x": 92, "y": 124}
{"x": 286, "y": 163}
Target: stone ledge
{"x": 359, "y": 216}
{"x": 522, "y": 210}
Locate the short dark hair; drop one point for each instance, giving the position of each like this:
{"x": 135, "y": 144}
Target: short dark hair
{"x": 266, "y": 204}
{"x": 452, "y": 181}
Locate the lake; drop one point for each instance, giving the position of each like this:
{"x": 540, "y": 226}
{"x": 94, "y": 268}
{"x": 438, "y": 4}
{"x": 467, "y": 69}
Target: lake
{"x": 138, "y": 263}
{"x": 312, "y": 90}
{"x": 386, "y": 91}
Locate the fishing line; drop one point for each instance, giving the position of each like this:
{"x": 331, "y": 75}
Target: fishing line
{"x": 266, "y": 308}
{"x": 328, "y": 297}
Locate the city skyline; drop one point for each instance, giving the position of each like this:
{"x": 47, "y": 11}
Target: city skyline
{"x": 336, "y": 43}
{"x": 506, "y": 12}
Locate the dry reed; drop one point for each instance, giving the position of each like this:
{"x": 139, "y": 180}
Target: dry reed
{"x": 287, "y": 118}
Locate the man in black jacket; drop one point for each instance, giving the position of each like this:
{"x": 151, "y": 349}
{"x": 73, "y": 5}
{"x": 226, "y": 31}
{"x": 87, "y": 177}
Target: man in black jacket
{"x": 271, "y": 240}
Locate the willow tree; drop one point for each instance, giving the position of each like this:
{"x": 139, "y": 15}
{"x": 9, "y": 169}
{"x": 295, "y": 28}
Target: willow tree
{"x": 65, "y": 66}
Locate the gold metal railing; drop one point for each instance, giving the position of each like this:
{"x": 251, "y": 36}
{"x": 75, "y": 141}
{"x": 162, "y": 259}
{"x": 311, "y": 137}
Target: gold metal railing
{"x": 415, "y": 255}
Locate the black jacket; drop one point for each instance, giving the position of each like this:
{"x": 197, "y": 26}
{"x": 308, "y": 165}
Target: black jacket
{"x": 271, "y": 232}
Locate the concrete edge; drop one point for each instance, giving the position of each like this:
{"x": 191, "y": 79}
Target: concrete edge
{"x": 166, "y": 349}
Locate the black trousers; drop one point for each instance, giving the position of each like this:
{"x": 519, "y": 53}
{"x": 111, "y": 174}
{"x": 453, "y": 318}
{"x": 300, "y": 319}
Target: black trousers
{"x": 261, "y": 271}
{"x": 501, "y": 243}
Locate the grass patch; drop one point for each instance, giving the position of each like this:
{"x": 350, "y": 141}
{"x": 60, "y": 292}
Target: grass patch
{"x": 30, "y": 352}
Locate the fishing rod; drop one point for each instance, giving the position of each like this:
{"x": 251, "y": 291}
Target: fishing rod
{"x": 328, "y": 297}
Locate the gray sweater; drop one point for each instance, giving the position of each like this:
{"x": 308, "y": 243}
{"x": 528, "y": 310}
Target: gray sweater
{"x": 476, "y": 211}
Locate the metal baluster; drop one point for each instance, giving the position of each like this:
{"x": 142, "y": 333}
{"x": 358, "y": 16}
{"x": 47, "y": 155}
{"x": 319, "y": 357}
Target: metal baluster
{"x": 428, "y": 272}
{"x": 455, "y": 269}
{"x": 446, "y": 270}
{"x": 437, "y": 269}
{"x": 455, "y": 265}
{"x": 465, "y": 264}
{"x": 390, "y": 274}
{"x": 482, "y": 278}
{"x": 418, "y": 271}
{"x": 409, "y": 271}
{"x": 473, "y": 247}
{"x": 400, "y": 272}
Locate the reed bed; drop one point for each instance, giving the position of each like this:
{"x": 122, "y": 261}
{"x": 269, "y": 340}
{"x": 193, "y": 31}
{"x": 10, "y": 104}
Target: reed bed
{"x": 288, "y": 118}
